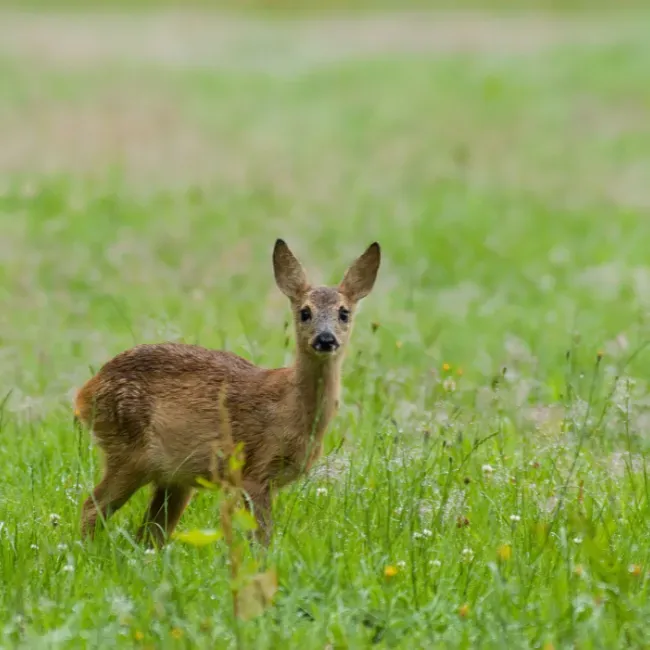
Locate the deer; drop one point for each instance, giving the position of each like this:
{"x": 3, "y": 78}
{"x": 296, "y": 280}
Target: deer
{"x": 154, "y": 409}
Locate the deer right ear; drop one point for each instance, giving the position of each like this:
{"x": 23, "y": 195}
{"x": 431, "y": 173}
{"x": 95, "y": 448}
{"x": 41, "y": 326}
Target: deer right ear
{"x": 289, "y": 274}
{"x": 360, "y": 277}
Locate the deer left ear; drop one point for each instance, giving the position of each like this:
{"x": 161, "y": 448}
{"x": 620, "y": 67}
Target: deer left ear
{"x": 289, "y": 274}
{"x": 360, "y": 278}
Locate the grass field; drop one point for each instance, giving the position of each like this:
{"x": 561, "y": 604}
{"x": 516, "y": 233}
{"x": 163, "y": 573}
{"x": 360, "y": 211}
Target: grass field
{"x": 484, "y": 485}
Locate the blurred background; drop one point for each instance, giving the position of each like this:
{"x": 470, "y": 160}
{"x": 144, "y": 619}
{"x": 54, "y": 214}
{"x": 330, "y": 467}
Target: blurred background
{"x": 153, "y": 151}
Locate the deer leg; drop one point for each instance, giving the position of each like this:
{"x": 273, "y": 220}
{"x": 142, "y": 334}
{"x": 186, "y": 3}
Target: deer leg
{"x": 260, "y": 496}
{"x": 166, "y": 507}
{"x": 113, "y": 491}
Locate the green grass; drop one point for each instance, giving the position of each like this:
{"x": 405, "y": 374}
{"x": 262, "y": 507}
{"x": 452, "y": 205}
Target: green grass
{"x": 140, "y": 200}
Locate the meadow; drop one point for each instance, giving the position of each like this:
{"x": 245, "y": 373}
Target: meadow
{"x": 485, "y": 482}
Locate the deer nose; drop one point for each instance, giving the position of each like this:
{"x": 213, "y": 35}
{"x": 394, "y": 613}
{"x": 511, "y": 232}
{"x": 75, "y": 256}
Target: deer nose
{"x": 325, "y": 342}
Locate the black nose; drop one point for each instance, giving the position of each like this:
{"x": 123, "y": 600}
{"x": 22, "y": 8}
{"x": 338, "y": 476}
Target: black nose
{"x": 325, "y": 342}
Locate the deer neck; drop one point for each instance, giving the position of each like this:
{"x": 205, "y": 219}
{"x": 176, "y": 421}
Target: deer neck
{"x": 318, "y": 383}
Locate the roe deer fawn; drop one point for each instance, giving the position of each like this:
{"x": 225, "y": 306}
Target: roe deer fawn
{"x": 155, "y": 408}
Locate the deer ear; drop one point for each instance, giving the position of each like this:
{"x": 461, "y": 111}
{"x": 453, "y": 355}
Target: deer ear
{"x": 289, "y": 274}
{"x": 360, "y": 277}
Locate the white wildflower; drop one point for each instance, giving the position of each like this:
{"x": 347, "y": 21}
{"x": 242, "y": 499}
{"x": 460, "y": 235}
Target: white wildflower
{"x": 121, "y": 606}
{"x": 449, "y": 385}
{"x": 515, "y": 518}
{"x": 455, "y": 505}
{"x": 321, "y": 492}
{"x": 467, "y": 554}
{"x": 487, "y": 469}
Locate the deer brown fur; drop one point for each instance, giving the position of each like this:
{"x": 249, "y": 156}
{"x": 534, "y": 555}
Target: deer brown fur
{"x": 155, "y": 409}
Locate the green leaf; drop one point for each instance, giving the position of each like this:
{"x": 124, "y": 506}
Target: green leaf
{"x": 206, "y": 484}
{"x": 236, "y": 460}
{"x": 198, "y": 537}
{"x": 244, "y": 520}
{"x": 257, "y": 595}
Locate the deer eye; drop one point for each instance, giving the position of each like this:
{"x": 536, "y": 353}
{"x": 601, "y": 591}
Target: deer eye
{"x": 344, "y": 315}
{"x": 305, "y": 314}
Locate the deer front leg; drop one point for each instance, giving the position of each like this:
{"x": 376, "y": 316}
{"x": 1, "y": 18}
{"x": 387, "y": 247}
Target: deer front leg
{"x": 260, "y": 497}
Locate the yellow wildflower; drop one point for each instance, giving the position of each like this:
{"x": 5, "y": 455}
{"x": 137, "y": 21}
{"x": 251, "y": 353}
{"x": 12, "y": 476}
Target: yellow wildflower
{"x": 390, "y": 571}
{"x": 504, "y": 552}
{"x": 635, "y": 570}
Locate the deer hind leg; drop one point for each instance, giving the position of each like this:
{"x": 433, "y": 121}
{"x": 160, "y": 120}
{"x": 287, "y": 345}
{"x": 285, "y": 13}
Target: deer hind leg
{"x": 166, "y": 507}
{"x": 260, "y": 496}
{"x": 113, "y": 491}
